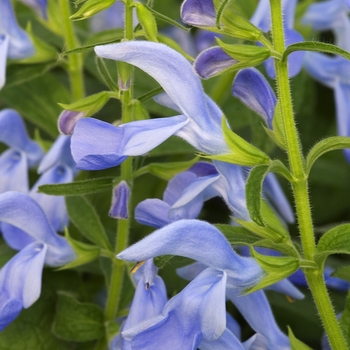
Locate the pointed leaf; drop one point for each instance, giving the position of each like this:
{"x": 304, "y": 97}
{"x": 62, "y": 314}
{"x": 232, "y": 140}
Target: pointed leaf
{"x": 85, "y": 218}
{"x": 76, "y": 321}
{"x": 296, "y": 343}
{"x": 334, "y": 241}
{"x": 79, "y": 187}
{"x": 324, "y": 146}
{"x": 165, "y": 171}
{"x": 342, "y": 272}
{"x": 345, "y": 320}
{"x": 315, "y": 46}
{"x": 147, "y": 21}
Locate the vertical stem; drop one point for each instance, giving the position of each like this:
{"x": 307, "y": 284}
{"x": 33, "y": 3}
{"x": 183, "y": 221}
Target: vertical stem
{"x": 123, "y": 226}
{"x": 300, "y": 185}
{"x": 75, "y": 61}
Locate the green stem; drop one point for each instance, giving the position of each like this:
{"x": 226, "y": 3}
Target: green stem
{"x": 123, "y": 227}
{"x": 75, "y": 61}
{"x": 300, "y": 185}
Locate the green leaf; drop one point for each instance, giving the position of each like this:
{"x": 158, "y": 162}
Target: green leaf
{"x": 277, "y": 268}
{"x": 237, "y": 235}
{"x": 147, "y": 20}
{"x": 85, "y": 252}
{"x": 79, "y": 187}
{"x": 165, "y": 171}
{"x": 89, "y": 105}
{"x": 253, "y": 191}
{"x": 296, "y": 343}
{"x": 90, "y": 8}
{"x": 315, "y": 46}
{"x": 76, "y": 321}
{"x": 84, "y": 217}
{"x": 36, "y": 100}
{"x": 140, "y": 112}
{"x": 243, "y": 153}
{"x": 334, "y": 241}
{"x": 276, "y": 166}
{"x": 342, "y": 272}
{"x": 329, "y": 144}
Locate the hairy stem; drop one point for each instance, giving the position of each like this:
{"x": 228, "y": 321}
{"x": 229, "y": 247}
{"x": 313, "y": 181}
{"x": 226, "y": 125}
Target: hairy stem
{"x": 300, "y": 185}
{"x": 123, "y": 227}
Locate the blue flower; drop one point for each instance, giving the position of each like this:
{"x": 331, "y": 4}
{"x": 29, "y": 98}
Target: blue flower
{"x": 120, "y": 200}
{"x": 57, "y": 167}
{"x": 199, "y": 122}
{"x": 148, "y": 303}
{"x": 14, "y": 41}
{"x": 20, "y": 278}
{"x": 20, "y": 282}
{"x": 23, "y": 152}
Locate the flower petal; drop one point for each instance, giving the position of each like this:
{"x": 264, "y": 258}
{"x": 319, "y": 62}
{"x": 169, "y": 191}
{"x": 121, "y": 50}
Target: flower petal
{"x": 13, "y": 171}
{"x": 199, "y": 13}
{"x": 212, "y": 61}
{"x": 251, "y": 87}
{"x": 152, "y": 212}
{"x": 13, "y": 133}
{"x": 67, "y": 120}
{"x": 256, "y": 310}
{"x": 23, "y": 212}
{"x": 4, "y": 42}
{"x": 172, "y": 71}
{"x": 20, "y": 45}
{"x": 195, "y": 240}
{"x": 120, "y": 200}
{"x": 99, "y": 145}
{"x": 20, "y": 282}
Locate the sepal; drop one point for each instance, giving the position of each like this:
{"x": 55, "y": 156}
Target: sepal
{"x": 88, "y": 105}
{"x": 147, "y": 21}
{"x": 85, "y": 253}
{"x": 277, "y": 268}
{"x": 90, "y": 8}
{"x": 243, "y": 153}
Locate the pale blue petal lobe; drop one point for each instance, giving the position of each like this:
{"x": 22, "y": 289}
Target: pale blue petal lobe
{"x": 199, "y": 13}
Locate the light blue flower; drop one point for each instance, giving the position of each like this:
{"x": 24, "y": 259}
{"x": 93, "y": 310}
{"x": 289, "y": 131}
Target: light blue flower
{"x": 120, "y": 201}
{"x": 20, "y": 282}
{"x": 199, "y": 124}
{"x": 14, "y": 41}
{"x": 148, "y": 302}
{"x": 20, "y": 278}
{"x": 23, "y": 153}
{"x": 57, "y": 167}
{"x": 197, "y": 312}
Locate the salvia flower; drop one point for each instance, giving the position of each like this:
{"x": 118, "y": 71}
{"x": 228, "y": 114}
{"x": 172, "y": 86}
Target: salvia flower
{"x": 199, "y": 123}
{"x": 120, "y": 201}
{"x": 14, "y": 41}
{"x": 22, "y": 154}
{"x": 20, "y": 278}
{"x": 56, "y": 167}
